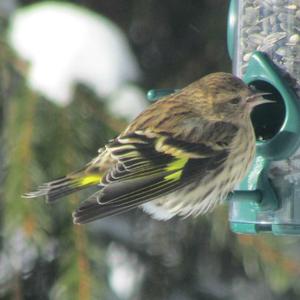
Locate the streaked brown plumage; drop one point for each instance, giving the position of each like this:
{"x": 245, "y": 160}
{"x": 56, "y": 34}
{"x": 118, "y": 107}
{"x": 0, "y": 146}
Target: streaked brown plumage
{"x": 181, "y": 156}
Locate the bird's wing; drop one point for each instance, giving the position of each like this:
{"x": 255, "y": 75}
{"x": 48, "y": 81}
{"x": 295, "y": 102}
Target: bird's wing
{"x": 86, "y": 177}
{"x": 149, "y": 165}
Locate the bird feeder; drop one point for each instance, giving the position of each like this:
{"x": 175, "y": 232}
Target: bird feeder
{"x": 264, "y": 45}
{"x": 263, "y": 40}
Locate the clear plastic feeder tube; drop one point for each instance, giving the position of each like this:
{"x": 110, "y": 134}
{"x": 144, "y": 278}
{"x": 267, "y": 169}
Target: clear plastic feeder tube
{"x": 273, "y": 27}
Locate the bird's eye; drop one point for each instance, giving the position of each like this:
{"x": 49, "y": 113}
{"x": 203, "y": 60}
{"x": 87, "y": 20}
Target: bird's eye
{"x": 235, "y": 100}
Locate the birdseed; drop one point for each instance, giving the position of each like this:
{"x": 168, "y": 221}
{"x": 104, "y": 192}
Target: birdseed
{"x": 273, "y": 27}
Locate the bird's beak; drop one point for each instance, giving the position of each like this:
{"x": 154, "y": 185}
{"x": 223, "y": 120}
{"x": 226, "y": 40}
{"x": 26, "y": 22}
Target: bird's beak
{"x": 257, "y": 99}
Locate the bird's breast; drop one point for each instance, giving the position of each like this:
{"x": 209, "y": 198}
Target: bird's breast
{"x": 242, "y": 153}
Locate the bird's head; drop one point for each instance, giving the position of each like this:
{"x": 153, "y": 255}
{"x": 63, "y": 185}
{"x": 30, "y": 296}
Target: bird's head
{"x": 229, "y": 97}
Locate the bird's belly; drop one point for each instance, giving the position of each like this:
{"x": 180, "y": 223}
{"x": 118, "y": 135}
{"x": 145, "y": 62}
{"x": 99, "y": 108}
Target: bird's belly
{"x": 202, "y": 195}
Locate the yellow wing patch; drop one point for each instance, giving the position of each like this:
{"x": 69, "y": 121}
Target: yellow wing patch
{"x": 174, "y": 176}
{"x": 174, "y": 151}
{"x": 178, "y": 164}
{"x": 89, "y": 179}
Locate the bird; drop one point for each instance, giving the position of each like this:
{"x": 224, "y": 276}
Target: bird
{"x": 181, "y": 156}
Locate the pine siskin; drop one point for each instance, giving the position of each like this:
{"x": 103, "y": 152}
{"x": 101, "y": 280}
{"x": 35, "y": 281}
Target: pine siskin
{"x": 181, "y": 156}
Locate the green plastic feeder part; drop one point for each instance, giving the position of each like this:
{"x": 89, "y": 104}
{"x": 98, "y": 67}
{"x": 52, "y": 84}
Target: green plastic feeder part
{"x": 254, "y": 206}
{"x": 231, "y": 27}
{"x": 154, "y": 95}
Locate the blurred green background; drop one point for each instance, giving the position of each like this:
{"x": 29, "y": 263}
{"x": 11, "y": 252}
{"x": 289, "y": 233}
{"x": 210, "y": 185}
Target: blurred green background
{"x": 131, "y": 256}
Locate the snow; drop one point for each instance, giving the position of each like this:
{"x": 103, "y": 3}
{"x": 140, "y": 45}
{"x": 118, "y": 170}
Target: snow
{"x": 65, "y": 44}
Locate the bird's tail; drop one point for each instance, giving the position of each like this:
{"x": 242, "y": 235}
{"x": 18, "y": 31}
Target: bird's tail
{"x": 63, "y": 186}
